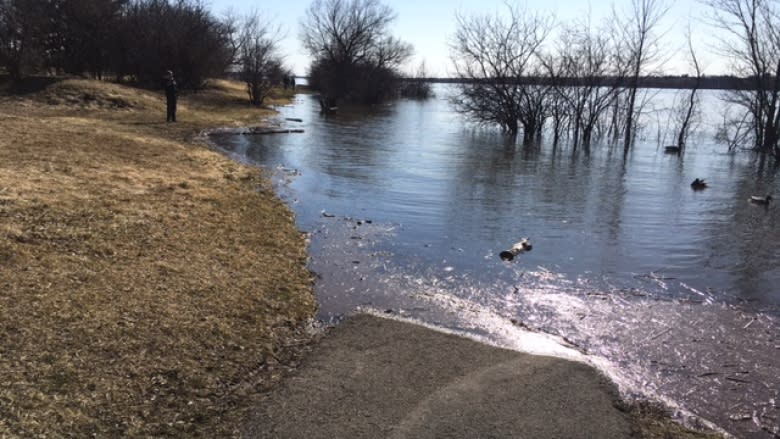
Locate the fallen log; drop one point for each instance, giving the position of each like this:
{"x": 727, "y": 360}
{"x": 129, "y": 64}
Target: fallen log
{"x": 273, "y": 131}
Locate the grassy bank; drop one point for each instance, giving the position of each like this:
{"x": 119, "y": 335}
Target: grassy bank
{"x": 148, "y": 286}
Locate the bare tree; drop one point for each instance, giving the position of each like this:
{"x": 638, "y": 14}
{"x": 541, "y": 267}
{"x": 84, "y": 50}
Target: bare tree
{"x": 588, "y": 75}
{"x": 494, "y": 56}
{"x": 642, "y": 45}
{"x": 734, "y": 130}
{"x": 355, "y": 57}
{"x": 258, "y": 58}
{"x": 687, "y": 110}
{"x": 416, "y": 86}
{"x": 81, "y": 35}
{"x": 750, "y": 38}
{"x": 557, "y": 110}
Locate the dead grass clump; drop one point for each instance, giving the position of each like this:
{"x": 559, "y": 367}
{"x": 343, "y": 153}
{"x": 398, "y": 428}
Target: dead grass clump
{"x": 93, "y": 95}
{"x": 653, "y": 421}
{"x": 147, "y": 288}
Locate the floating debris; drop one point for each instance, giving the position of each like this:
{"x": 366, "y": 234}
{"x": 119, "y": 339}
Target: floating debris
{"x": 672, "y": 149}
{"x": 524, "y": 245}
{"x": 763, "y": 201}
{"x": 737, "y": 380}
{"x": 262, "y": 131}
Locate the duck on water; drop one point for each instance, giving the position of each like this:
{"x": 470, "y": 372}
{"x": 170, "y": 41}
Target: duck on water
{"x": 764, "y": 201}
{"x": 698, "y": 184}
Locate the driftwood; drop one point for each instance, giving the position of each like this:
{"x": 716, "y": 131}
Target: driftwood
{"x": 252, "y": 131}
{"x": 274, "y": 131}
{"x": 519, "y": 247}
{"x": 737, "y": 380}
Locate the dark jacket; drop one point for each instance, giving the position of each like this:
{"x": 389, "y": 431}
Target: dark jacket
{"x": 170, "y": 88}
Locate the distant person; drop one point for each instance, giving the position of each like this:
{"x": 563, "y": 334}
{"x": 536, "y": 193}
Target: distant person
{"x": 171, "y": 93}
{"x": 292, "y": 82}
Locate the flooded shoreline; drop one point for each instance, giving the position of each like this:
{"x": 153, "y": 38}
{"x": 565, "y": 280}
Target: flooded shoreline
{"x": 672, "y": 290}
{"x": 712, "y": 359}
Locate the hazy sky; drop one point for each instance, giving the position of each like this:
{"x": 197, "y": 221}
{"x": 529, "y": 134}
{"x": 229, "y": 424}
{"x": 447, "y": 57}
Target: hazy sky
{"x": 428, "y": 24}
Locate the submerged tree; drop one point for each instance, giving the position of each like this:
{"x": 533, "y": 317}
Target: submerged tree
{"x": 493, "y": 57}
{"x": 687, "y": 109}
{"x": 355, "y": 57}
{"x": 587, "y": 76}
{"x": 642, "y": 46}
{"x": 417, "y": 86}
{"x": 750, "y": 38}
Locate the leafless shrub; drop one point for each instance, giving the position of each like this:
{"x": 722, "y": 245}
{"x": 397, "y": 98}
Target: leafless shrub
{"x": 494, "y": 57}
{"x": 586, "y": 76}
{"x": 750, "y": 39}
{"x": 641, "y": 44}
{"x": 258, "y": 58}
{"x": 355, "y": 56}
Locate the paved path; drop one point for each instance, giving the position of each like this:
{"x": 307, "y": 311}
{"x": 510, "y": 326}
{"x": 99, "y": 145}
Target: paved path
{"x": 378, "y": 378}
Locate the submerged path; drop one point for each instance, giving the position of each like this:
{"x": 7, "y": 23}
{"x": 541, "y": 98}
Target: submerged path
{"x": 373, "y": 377}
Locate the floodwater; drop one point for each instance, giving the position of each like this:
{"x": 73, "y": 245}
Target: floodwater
{"x": 674, "y": 293}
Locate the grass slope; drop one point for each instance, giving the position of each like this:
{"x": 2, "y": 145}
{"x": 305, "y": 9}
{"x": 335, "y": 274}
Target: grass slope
{"x": 148, "y": 286}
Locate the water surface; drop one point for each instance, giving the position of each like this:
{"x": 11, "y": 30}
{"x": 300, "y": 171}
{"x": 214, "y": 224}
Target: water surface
{"x": 673, "y": 292}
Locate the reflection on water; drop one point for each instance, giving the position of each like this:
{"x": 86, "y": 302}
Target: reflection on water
{"x": 673, "y": 291}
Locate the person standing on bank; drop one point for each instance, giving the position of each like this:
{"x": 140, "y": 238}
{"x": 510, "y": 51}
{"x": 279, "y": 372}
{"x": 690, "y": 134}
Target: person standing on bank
{"x": 170, "y": 95}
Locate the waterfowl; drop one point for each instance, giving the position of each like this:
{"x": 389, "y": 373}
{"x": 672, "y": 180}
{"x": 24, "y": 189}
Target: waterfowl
{"x": 760, "y": 200}
{"x": 698, "y": 184}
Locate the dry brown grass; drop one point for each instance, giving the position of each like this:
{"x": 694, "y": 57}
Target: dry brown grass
{"x": 149, "y": 287}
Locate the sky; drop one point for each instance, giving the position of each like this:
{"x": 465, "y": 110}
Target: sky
{"x": 429, "y": 24}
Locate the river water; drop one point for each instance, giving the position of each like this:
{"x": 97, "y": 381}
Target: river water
{"x": 674, "y": 293}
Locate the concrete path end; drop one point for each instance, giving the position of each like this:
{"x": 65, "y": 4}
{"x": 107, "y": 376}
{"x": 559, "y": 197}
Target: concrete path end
{"x": 378, "y": 378}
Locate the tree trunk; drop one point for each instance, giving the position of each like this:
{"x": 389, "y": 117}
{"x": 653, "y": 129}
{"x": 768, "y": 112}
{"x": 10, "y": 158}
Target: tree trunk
{"x": 681, "y": 136}
{"x": 627, "y": 140}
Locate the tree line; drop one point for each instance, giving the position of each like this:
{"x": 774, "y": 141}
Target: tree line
{"x": 134, "y": 40}
{"x": 582, "y": 81}
{"x": 578, "y": 82}
{"x": 675, "y": 82}
{"x": 518, "y": 69}
{"x": 355, "y": 58}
